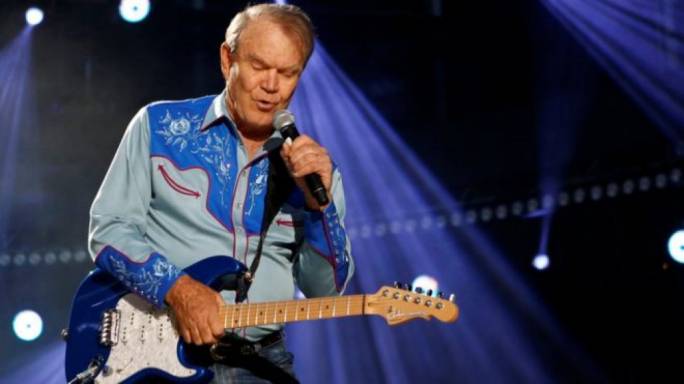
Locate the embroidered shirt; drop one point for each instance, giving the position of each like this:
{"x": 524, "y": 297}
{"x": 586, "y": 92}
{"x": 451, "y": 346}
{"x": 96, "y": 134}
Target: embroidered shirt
{"x": 181, "y": 188}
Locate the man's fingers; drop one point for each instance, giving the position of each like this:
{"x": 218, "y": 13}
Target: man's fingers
{"x": 207, "y": 335}
{"x": 196, "y": 336}
{"x": 185, "y": 333}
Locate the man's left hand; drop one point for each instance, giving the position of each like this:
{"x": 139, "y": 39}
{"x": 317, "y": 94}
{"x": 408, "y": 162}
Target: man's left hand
{"x": 304, "y": 156}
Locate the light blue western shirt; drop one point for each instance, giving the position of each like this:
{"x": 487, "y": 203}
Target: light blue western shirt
{"x": 181, "y": 188}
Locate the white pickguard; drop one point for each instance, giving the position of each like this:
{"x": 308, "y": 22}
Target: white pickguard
{"x": 146, "y": 338}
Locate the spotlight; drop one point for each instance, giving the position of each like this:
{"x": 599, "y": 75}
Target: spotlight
{"x": 661, "y": 181}
{"x": 596, "y": 192}
{"x": 455, "y": 219}
{"x": 501, "y": 212}
{"x": 27, "y": 325}
{"x": 426, "y": 282}
{"x": 471, "y": 216}
{"x": 486, "y": 214}
{"x": 563, "y": 199}
{"x": 548, "y": 201}
{"x": 578, "y": 195}
{"x": 612, "y": 190}
{"x": 34, "y": 16}
{"x": 134, "y": 11}
{"x": 517, "y": 208}
{"x": 541, "y": 262}
{"x": 676, "y": 246}
{"x": 380, "y": 230}
{"x": 628, "y": 187}
{"x": 644, "y": 183}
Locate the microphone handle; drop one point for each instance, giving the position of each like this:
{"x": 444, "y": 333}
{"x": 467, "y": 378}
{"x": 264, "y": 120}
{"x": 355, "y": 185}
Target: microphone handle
{"x": 312, "y": 180}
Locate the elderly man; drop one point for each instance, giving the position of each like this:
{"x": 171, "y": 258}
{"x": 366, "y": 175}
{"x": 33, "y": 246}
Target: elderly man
{"x": 190, "y": 180}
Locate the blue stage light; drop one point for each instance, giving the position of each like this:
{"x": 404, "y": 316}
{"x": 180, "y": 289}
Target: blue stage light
{"x": 676, "y": 246}
{"x": 426, "y": 283}
{"x": 27, "y": 325}
{"x": 34, "y": 16}
{"x": 134, "y": 11}
{"x": 541, "y": 262}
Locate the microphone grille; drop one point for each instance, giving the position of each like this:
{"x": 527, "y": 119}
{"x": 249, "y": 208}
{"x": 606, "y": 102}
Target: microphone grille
{"x": 283, "y": 118}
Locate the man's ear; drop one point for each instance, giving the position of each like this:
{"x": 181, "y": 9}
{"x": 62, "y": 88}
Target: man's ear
{"x": 226, "y": 60}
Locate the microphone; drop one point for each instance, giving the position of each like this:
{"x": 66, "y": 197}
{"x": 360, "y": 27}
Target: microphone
{"x": 284, "y": 121}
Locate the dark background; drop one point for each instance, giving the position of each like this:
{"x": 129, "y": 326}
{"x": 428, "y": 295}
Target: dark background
{"x": 463, "y": 82}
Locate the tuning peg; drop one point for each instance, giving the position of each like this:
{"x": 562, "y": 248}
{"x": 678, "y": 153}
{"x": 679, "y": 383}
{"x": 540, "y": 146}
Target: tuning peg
{"x": 429, "y": 292}
{"x": 407, "y": 287}
{"x": 397, "y": 284}
{"x": 452, "y": 298}
{"x": 440, "y": 294}
{"x": 419, "y": 290}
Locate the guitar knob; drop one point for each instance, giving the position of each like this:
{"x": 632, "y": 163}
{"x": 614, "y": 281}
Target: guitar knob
{"x": 452, "y": 298}
{"x": 419, "y": 290}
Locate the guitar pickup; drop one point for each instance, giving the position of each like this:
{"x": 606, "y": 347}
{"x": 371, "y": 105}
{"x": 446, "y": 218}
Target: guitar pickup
{"x": 109, "y": 328}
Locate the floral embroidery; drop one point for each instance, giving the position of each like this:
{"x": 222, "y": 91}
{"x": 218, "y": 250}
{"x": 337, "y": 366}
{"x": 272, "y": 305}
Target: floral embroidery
{"x": 258, "y": 185}
{"x": 144, "y": 279}
{"x": 183, "y": 131}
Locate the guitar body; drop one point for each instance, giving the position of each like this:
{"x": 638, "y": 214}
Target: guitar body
{"x": 127, "y": 339}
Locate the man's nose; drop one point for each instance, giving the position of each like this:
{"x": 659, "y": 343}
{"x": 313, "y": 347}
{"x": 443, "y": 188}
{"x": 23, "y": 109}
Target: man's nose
{"x": 270, "y": 83}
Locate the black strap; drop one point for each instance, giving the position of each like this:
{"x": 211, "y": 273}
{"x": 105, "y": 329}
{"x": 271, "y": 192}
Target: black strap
{"x": 279, "y": 187}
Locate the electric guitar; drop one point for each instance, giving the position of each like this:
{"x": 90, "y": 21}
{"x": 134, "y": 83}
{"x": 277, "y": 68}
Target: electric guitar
{"x": 116, "y": 336}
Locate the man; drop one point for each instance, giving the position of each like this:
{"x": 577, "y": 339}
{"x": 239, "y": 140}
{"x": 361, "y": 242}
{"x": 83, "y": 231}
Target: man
{"x": 190, "y": 180}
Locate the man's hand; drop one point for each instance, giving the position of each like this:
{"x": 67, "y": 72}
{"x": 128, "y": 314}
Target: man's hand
{"x": 196, "y": 308}
{"x": 304, "y": 156}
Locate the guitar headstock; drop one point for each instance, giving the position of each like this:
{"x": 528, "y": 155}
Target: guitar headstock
{"x": 398, "y": 305}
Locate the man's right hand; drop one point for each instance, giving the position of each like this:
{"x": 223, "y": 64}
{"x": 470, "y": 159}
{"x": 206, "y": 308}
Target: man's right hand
{"x": 196, "y": 308}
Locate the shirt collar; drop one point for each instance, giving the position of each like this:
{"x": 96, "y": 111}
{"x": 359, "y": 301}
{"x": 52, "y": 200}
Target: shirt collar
{"x": 217, "y": 110}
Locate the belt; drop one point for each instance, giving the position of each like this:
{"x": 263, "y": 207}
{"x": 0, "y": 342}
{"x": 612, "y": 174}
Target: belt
{"x": 231, "y": 345}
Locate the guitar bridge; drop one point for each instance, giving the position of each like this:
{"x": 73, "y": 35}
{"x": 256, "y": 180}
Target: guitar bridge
{"x": 109, "y": 330}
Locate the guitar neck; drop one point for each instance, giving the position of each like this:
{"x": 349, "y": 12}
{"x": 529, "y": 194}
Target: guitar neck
{"x": 278, "y": 312}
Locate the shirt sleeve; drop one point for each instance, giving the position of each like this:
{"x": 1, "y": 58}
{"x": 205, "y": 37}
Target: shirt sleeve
{"x": 324, "y": 265}
{"x": 118, "y": 219}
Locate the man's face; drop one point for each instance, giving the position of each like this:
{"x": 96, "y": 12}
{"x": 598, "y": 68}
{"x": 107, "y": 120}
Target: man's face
{"x": 261, "y": 75}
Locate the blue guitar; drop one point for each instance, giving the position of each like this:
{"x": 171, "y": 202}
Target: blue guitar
{"x": 115, "y": 336}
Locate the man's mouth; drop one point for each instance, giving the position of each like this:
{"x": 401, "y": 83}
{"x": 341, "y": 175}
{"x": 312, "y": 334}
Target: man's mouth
{"x": 265, "y": 106}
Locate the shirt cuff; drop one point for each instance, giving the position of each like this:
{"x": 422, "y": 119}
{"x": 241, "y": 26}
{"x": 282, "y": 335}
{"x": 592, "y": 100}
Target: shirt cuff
{"x": 151, "y": 279}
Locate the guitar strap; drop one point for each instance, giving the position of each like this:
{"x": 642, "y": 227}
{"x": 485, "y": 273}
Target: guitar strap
{"x": 279, "y": 187}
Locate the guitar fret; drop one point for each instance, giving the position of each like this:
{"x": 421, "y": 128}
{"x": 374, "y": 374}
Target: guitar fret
{"x": 320, "y": 309}
{"x": 241, "y": 314}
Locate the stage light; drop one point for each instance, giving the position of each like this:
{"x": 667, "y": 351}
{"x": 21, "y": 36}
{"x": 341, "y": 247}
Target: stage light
{"x": 486, "y": 214}
{"x": 34, "y": 16}
{"x": 541, "y": 262}
{"x": 455, "y": 219}
{"x": 19, "y": 259}
{"x": 426, "y": 282}
{"x": 501, "y": 212}
{"x": 134, "y": 11}
{"x": 578, "y": 195}
{"x": 517, "y": 208}
{"x": 563, "y": 199}
{"x": 596, "y": 192}
{"x": 27, "y": 325}
{"x": 660, "y": 181}
{"x": 644, "y": 183}
{"x": 676, "y": 246}
{"x": 628, "y": 187}
{"x": 612, "y": 190}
